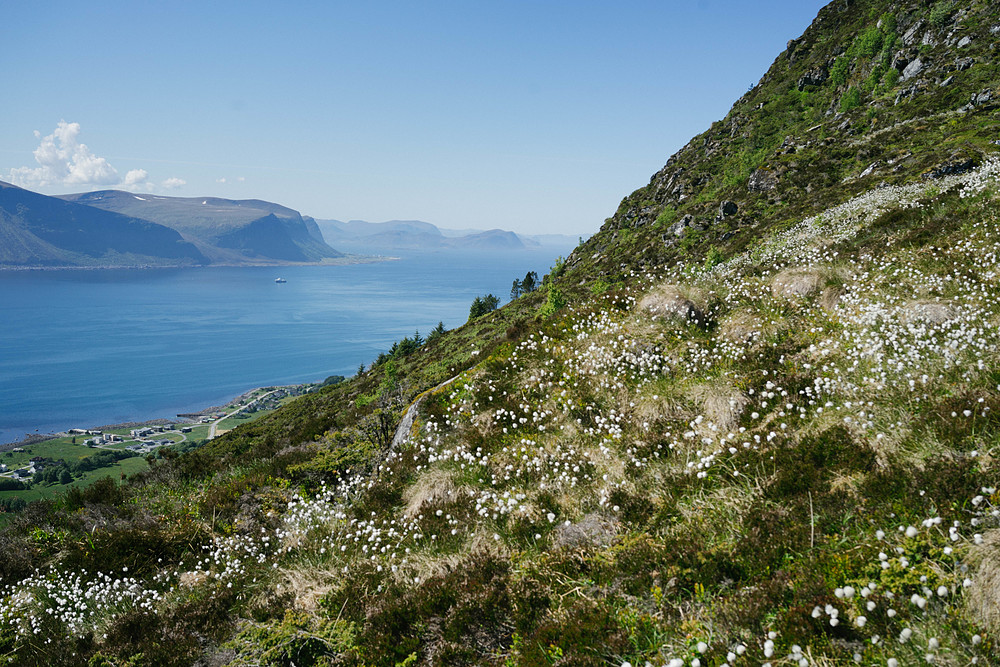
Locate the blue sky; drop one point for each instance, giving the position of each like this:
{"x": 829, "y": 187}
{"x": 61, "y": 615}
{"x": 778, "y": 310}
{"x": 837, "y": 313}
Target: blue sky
{"x": 533, "y": 116}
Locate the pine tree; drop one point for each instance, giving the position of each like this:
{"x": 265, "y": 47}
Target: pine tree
{"x": 530, "y": 282}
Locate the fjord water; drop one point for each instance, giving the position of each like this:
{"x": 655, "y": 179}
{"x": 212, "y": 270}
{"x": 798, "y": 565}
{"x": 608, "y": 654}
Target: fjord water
{"x": 85, "y": 348}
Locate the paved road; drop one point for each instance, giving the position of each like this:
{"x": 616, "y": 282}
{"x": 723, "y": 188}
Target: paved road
{"x": 215, "y": 424}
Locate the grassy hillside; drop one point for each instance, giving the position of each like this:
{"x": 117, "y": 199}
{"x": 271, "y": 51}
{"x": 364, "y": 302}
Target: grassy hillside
{"x": 777, "y": 447}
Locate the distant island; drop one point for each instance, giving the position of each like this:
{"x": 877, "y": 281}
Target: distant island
{"x": 396, "y": 235}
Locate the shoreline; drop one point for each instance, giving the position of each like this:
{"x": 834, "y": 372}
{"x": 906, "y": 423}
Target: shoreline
{"x": 346, "y": 260}
{"x": 186, "y": 418}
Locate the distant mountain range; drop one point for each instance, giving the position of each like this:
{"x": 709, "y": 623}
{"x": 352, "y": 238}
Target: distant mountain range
{"x": 224, "y": 230}
{"x": 36, "y": 230}
{"x": 394, "y": 235}
{"x": 115, "y": 228}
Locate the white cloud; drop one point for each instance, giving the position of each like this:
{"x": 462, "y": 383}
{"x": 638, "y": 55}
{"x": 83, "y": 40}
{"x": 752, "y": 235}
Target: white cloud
{"x": 221, "y": 180}
{"x": 241, "y": 179}
{"x": 135, "y": 176}
{"x": 63, "y": 160}
{"x": 136, "y": 180}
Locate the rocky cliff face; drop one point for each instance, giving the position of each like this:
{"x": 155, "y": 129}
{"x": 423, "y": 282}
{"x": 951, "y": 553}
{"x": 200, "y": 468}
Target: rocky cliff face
{"x": 872, "y": 93}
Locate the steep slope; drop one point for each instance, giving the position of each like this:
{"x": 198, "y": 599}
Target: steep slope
{"x": 774, "y": 448}
{"x": 257, "y": 230}
{"x": 36, "y": 230}
{"x": 872, "y": 93}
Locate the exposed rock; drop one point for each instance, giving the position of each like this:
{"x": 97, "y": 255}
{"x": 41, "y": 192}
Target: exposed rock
{"x": 953, "y": 166}
{"x": 982, "y": 98}
{"x": 762, "y": 180}
{"x": 910, "y": 36}
{"x": 928, "y": 39}
{"x": 669, "y": 303}
{"x": 593, "y": 530}
{"x": 911, "y": 91}
{"x": 947, "y": 82}
{"x": 796, "y": 284}
{"x": 679, "y": 228}
{"x": 963, "y": 64}
{"x": 699, "y": 226}
{"x": 965, "y": 41}
{"x": 915, "y": 67}
{"x": 813, "y": 77}
{"x": 728, "y": 208}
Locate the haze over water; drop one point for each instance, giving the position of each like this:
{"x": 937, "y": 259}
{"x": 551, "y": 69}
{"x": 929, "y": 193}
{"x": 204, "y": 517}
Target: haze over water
{"x": 87, "y": 348}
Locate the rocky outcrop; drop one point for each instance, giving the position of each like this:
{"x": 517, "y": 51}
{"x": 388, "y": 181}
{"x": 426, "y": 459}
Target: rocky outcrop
{"x": 956, "y": 165}
{"x": 814, "y": 77}
{"x": 727, "y": 209}
{"x": 762, "y": 180}
{"x": 912, "y": 69}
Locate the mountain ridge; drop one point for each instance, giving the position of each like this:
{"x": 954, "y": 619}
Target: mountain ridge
{"x": 42, "y": 231}
{"x": 252, "y": 230}
{"x": 416, "y": 234}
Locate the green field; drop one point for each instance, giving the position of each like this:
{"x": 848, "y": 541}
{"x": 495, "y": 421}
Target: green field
{"x": 58, "y": 448}
{"x": 199, "y": 432}
{"x": 232, "y": 422}
{"x": 43, "y": 491}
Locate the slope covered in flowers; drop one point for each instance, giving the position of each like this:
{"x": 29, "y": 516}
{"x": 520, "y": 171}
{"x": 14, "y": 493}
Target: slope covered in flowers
{"x": 786, "y": 457}
{"x": 710, "y": 438}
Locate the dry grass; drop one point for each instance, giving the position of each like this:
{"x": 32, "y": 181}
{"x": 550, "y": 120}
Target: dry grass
{"x": 672, "y": 302}
{"x": 307, "y": 585}
{"x": 983, "y": 597}
{"x": 744, "y": 328}
{"x": 797, "y": 283}
{"x": 435, "y": 484}
{"x": 932, "y": 312}
{"x": 722, "y": 405}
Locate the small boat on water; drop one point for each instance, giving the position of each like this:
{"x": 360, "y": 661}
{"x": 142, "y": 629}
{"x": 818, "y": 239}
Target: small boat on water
{"x": 280, "y": 280}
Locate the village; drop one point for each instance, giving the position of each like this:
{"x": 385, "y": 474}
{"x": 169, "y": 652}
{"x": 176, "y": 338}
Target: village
{"x": 30, "y": 470}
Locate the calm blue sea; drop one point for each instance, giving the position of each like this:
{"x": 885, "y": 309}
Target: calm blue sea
{"x": 87, "y": 348}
